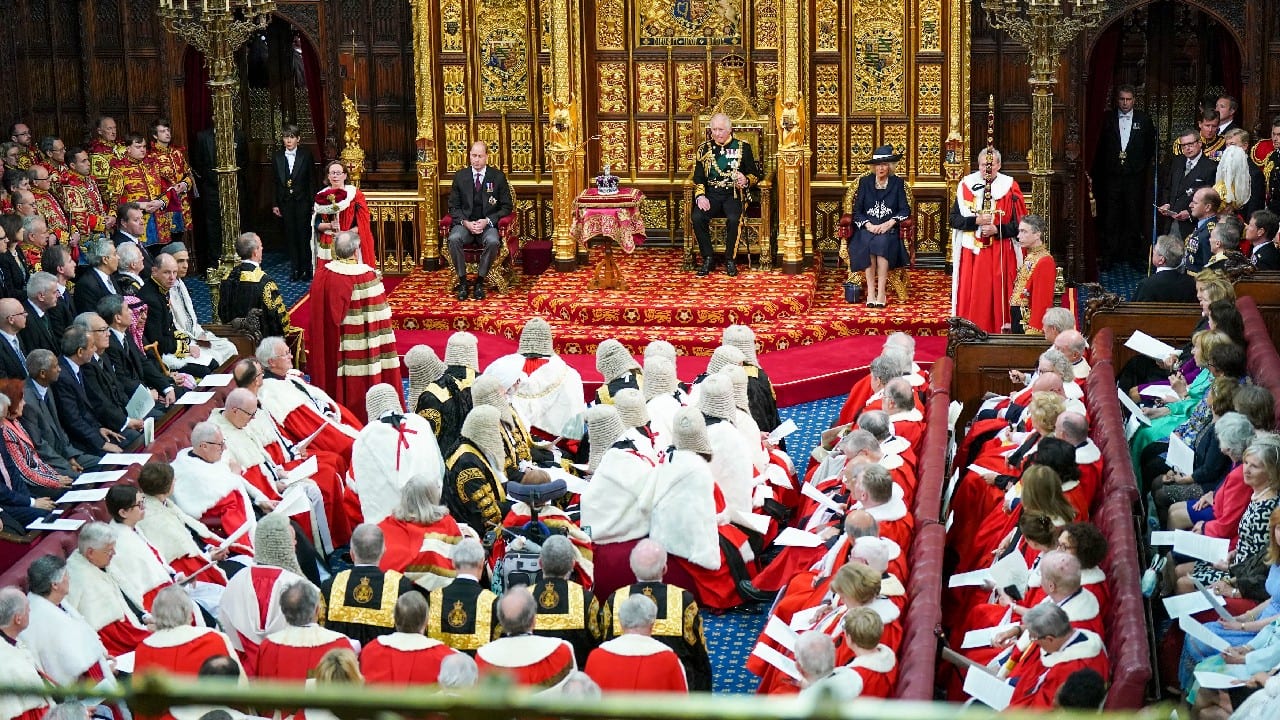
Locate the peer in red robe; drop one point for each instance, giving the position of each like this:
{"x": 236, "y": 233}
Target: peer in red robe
{"x": 352, "y": 344}
{"x": 292, "y": 653}
{"x": 421, "y": 552}
{"x": 340, "y": 207}
{"x": 636, "y": 663}
{"x": 984, "y": 222}
{"x": 19, "y": 668}
{"x": 102, "y": 603}
{"x": 302, "y": 410}
{"x": 404, "y": 659}
{"x": 529, "y": 660}
{"x": 181, "y": 650}
{"x": 1039, "y": 687}
{"x": 250, "y": 609}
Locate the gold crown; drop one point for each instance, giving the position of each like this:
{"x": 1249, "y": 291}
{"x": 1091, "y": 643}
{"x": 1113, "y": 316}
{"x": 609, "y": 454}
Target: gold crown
{"x": 733, "y": 62}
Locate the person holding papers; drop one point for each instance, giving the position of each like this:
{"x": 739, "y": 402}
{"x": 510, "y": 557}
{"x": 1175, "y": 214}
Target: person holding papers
{"x": 1213, "y": 508}
{"x": 183, "y": 542}
{"x": 1262, "y": 476}
{"x": 1247, "y": 625}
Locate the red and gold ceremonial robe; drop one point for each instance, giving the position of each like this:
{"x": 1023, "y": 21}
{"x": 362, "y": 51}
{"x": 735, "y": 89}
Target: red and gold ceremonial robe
{"x": 403, "y": 659}
{"x": 636, "y": 663}
{"x": 82, "y": 198}
{"x": 986, "y": 266}
{"x": 1033, "y": 289}
{"x": 423, "y": 553}
{"x": 101, "y": 155}
{"x": 135, "y": 181}
{"x": 171, "y": 166}
{"x": 54, "y": 218}
{"x": 353, "y": 345}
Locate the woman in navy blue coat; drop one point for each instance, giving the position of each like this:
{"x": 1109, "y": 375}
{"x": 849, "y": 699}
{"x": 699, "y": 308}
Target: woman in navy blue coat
{"x": 876, "y": 244}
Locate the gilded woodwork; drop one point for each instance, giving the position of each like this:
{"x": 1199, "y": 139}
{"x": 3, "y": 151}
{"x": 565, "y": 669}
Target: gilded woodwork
{"x": 895, "y": 134}
{"x": 766, "y": 80}
{"x": 453, "y": 84}
{"x": 930, "y": 39}
{"x": 826, "y": 90}
{"x": 544, "y": 26}
{"x": 766, "y": 24}
{"x": 826, "y": 215}
{"x": 928, "y": 149}
{"x": 686, "y": 144}
{"x": 827, "y": 26}
{"x": 929, "y": 90}
{"x": 614, "y": 145}
{"x": 651, "y": 87}
{"x": 426, "y": 167}
{"x": 691, "y": 88}
{"x": 612, "y": 93}
{"x": 352, "y": 154}
{"x": 929, "y": 226}
{"x": 502, "y": 37}
{"x": 877, "y": 58}
{"x": 490, "y": 132}
{"x": 452, "y": 26}
{"x": 655, "y": 147}
{"x": 826, "y": 149}
{"x": 862, "y": 142}
{"x": 665, "y": 23}
{"x": 456, "y": 144}
{"x": 610, "y": 33}
{"x": 520, "y": 147}
{"x": 548, "y": 219}
{"x": 654, "y": 212}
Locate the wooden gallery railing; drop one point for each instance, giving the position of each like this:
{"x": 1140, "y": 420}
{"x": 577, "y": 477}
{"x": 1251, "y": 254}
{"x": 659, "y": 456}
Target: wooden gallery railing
{"x": 399, "y": 229}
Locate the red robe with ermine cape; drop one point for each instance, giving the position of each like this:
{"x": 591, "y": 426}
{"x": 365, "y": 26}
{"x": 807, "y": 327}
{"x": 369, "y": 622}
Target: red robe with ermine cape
{"x": 985, "y": 267}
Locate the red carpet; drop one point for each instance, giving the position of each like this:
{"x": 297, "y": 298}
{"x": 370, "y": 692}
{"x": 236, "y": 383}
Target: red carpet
{"x": 800, "y": 374}
{"x": 665, "y": 302}
{"x": 813, "y": 344}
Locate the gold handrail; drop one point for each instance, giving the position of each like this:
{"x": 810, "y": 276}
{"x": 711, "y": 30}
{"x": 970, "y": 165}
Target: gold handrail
{"x": 399, "y": 229}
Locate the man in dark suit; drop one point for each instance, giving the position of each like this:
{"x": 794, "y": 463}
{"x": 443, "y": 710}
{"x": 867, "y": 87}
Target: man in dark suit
{"x": 41, "y": 421}
{"x": 110, "y": 404}
{"x": 74, "y": 408}
{"x": 133, "y": 367}
{"x": 57, "y": 261}
{"x": 294, "y": 171}
{"x": 13, "y": 319}
{"x": 1261, "y": 234}
{"x": 1193, "y": 172}
{"x": 1126, "y": 146}
{"x": 93, "y": 280}
{"x": 479, "y": 198}
{"x": 1168, "y": 283}
{"x": 42, "y": 298}
{"x": 131, "y": 228}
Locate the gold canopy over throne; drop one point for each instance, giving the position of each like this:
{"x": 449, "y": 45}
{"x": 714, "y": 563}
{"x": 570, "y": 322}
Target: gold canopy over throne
{"x": 755, "y": 126}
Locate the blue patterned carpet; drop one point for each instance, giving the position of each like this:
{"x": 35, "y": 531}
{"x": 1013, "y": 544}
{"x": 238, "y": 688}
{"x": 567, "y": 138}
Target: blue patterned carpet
{"x": 277, "y": 265}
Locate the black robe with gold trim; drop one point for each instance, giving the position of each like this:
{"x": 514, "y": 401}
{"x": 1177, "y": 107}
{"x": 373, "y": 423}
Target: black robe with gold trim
{"x": 445, "y": 406}
{"x": 474, "y": 491}
{"x": 361, "y": 602}
{"x": 248, "y": 287}
{"x": 462, "y": 615}
{"x": 761, "y": 399}
{"x": 465, "y": 377}
{"x": 570, "y": 612}
{"x": 633, "y": 379}
{"x": 678, "y": 626}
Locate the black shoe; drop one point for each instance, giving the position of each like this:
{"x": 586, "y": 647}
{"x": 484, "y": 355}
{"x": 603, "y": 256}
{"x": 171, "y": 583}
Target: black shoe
{"x": 751, "y": 593}
{"x": 478, "y": 291}
{"x": 707, "y": 267}
{"x": 462, "y": 290}
{"x": 730, "y": 268}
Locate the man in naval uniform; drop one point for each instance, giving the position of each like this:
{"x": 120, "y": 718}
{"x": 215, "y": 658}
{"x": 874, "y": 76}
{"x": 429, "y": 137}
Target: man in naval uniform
{"x": 723, "y": 171}
{"x": 361, "y": 602}
{"x": 566, "y": 610}
{"x": 679, "y": 621}
{"x": 461, "y": 614}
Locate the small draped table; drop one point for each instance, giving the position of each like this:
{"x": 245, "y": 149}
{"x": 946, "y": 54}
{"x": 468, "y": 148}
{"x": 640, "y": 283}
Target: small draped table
{"x": 617, "y": 219}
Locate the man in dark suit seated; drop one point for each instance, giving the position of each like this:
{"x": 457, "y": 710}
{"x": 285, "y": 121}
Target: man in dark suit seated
{"x": 13, "y": 319}
{"x": 93, "y": 280}
{"x": 1168, "y": 283}
{"x": 110, "y": 404}
{"x": 42, "y": 298}
{"x": 1261, "y": 233}
{"x": 57, "y": 261}
{"x": 41, "y": 421}
{"x": 1126, "y": 144}
{"x": 74, "y": 408}
{"x": 294, "y": 176}
{"x": 479, "y": 198}
{"x": 133, "y": 367}
{"x": 132, "y": 228}
{"x": 1195, "y": 171}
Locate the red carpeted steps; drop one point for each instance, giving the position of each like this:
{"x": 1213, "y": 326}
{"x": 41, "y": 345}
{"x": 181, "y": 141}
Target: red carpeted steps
{"x": 665, "y": 302}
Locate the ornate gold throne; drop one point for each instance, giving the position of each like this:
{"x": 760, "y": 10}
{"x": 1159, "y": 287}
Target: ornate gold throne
{"x": 755, "y": 227}
{"x": 898, "y": 276}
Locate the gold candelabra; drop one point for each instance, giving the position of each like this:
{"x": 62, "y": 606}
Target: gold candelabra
{"x": 216, "y": 28}
{"x": 1045, "y": 28}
